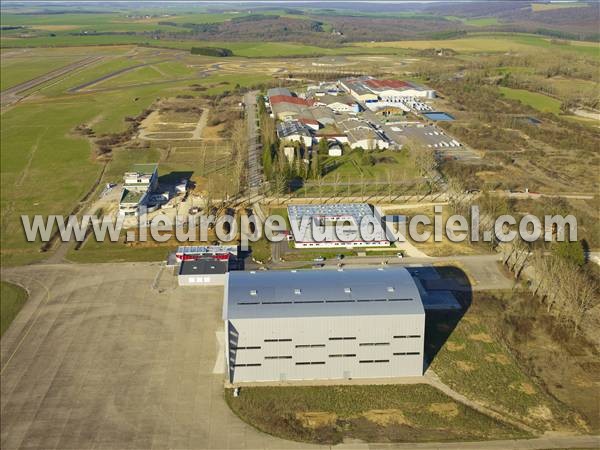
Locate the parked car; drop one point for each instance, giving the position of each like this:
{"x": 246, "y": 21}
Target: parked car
{"x": 319, "y": 259}
{"x": 400, "y": 255}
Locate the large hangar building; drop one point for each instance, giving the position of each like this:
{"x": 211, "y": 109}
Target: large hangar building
{"x": 322, "y": 325}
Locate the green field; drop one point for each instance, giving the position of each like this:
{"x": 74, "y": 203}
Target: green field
{"x": 12, "y": 299}
{"x": 385, "y": 413}
{"x": 473, "y": 362}
{"x": 540, "y": 102}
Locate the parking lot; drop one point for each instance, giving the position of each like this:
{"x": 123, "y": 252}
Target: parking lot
{"x": 116, "y": 356}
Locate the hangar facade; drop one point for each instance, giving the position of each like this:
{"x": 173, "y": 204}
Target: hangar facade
{"x": 325, "y": 324}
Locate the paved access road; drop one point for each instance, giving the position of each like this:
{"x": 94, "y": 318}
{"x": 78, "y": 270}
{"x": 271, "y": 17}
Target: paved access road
{"x": 484, "y": 270}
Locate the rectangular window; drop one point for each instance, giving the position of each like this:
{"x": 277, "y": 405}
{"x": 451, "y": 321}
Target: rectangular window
{"x": 254, "y": 347}
{"x": 406, "y": 353}
{"x": 247, "y": 365}
{"x": 405, "y": 336}
{"x": 277, "y": 303}
{"x": 278, "y": 357}
{"x": 309, "y": 363}
{"x": 400, "y": 299}
{"x": 309, "y": 345}
{"x": 278, "y": 340}
{"x": 372, "y": 300}
{"x": 368, "y": 361}
{"x": 372, "y": 344}
{"x": 346, "y": 355}
{"x": 344, "y": 338}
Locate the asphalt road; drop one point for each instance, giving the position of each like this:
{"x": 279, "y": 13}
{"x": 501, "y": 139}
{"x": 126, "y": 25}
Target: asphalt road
{"x": 483, "y": 270}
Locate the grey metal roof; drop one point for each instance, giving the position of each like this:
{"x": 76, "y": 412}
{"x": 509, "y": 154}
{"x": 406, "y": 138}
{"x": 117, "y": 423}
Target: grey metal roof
{"x": 203, "y": 267}
{"x": 323, "y": 292}
{"x": 278, "y": 91}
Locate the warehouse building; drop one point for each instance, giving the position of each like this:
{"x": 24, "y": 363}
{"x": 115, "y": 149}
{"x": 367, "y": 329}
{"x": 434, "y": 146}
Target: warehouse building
{"x": 323, "y": 325}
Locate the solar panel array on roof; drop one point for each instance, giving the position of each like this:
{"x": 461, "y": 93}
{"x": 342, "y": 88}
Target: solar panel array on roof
{"x": 303, "y": 293}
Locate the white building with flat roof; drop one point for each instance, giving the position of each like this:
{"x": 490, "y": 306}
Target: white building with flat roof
{"x": 323, "y": 325}
{"x": 337, "y": 225}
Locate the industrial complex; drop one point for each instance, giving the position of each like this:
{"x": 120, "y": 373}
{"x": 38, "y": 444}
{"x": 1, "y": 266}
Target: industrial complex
{"x": 355, "y": 113}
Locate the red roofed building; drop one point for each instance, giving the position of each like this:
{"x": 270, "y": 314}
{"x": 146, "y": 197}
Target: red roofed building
{"x": 377, "y": 85}
{"x": 289, "y": 99}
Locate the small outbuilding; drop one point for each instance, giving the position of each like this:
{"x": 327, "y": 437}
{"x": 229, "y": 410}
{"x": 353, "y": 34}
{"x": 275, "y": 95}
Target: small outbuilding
{"x": 203, "y": 272}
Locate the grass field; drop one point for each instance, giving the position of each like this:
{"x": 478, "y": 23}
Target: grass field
{"x": 540, "y": 102}
{"x": 12, "y": 299}
{"x": 386, "y": 413}
{"x": 494, "y": 42}
{"x": 540, "y": 7}
{"x": 474, "y": 363}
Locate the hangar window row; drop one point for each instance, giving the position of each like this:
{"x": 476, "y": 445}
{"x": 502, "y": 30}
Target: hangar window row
{"x": 309, "y": 345}
{"x": 367, "y": 361}
{"x": 278, "y": 357}
{"x": 406, "y": 353}
{"x": 407, "y": 336}
{"x": 278, "y": 340}
{"x": 254, "y": 347}
{"x": 343, "y": 338}
{"x": 309, "y": 363}
{"x": 248, "y": 365}
{"x": 308, "y": 302}
{"x": 372, "y": 344}
{"x": 346, "y": 355}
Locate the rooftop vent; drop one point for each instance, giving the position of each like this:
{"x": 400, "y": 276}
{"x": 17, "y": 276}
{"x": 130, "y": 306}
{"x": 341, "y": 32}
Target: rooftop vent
{"x": 297, "y": 291}
{"x": 347, "y": 290}
{"x": 253, "y": 292}
{"x": 390, "y": 289}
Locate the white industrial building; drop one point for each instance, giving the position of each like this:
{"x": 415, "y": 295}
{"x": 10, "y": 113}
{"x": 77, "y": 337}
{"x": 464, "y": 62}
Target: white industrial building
{"x": 336, "y": 225}
{"x": 294, "y": 131}
{"x": 138, "y": 185}
{"x": 322, "y": 325}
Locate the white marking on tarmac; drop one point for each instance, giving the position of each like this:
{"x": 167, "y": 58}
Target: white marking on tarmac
{"x": 220, "y": 362}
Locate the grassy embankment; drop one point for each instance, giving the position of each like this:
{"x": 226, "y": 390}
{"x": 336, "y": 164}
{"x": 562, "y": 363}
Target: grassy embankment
{"x": 385, "y": 413}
